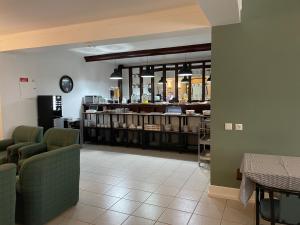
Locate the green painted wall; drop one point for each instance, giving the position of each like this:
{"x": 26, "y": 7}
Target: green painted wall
{"x": 256, "y": 81}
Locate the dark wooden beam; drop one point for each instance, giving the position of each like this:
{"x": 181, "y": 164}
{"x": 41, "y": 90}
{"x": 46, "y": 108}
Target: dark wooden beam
{"x": 152, "y": 90}
{"x": 120, "y": 67}
{"x": 165, "y": 83}
{"x": 130, "y": 83}
{"x": 176, "y": 82}
{"x": 179, "y": 67}
{"x": 150, "y": 52}
{"x": 173, "y": 63}
{"x": 120, "y": 90}
{"x": 203, "y": 83}
{"x": 141, "y": 84}
{"x": 190, "y": 89}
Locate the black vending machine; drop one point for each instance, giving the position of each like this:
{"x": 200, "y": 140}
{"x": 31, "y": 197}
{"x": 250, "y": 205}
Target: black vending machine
{"x": 49, "y": 109}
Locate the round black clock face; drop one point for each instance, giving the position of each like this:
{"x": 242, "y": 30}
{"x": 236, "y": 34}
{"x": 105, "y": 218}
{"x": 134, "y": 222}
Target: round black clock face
{"x": 66, "y": 84}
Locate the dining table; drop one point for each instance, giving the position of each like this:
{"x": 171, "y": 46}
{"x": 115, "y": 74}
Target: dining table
{"x": 273, "y": 171}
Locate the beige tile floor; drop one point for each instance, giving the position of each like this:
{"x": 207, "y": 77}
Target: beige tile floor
{"x": 141, "y": 187}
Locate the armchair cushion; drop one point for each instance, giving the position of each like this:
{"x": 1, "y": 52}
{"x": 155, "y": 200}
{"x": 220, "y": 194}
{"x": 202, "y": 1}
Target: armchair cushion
{"x": 31, "y": 150}
{"x": 289, "y": 209}
{"x": 7, "y": 194}
{"x": 5, "y": 143}
{"x": 265, "y": 209}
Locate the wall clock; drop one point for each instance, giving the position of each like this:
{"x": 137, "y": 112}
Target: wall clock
{"x": 66, "y": 84}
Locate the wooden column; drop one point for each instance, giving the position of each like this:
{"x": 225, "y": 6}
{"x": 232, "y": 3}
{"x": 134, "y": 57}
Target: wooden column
{"x": 130, "y": 82}
{"x": 203, "y": 83}
{"x": 190, "y": 89}
{"x": 152, "y": 87}
{"x": 176, "y": 82}
{"x": 165, "y": 82}
{"x": 141, "y": 84}
{"x": 120, "y": 90}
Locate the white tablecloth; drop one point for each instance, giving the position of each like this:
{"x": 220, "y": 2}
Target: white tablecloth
{"x": 281, "y": 172}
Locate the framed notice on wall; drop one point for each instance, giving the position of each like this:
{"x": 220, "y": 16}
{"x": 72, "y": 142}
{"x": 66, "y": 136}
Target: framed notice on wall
{"x": 27, "y": 87}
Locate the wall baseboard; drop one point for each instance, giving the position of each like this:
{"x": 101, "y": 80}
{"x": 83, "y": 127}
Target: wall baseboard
{"x": 226, "y": 193}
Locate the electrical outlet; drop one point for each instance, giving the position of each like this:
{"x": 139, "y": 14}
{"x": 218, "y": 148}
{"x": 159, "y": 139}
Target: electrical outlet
{"x": 239, "y": 126}
{"x": 228, "y": 126}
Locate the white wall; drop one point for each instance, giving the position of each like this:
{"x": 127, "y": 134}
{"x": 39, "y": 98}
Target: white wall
{"x": 46, "y": 69}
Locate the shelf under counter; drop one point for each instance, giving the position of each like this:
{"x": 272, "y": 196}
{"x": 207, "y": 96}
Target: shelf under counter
{"x": 152, "y": 107}
{"x": 146, "y": 114}
{"x": 180, "y": 140}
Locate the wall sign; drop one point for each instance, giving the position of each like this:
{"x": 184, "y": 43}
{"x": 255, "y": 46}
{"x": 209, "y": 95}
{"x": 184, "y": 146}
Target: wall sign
{"x": 27, "y": 87}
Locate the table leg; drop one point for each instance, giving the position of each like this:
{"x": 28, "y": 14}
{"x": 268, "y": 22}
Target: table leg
{"x": 257, "y": 204}
{"x": 272, "y": 208}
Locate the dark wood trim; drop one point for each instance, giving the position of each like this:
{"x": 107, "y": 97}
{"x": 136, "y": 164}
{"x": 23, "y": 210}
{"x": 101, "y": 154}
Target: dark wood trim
{"x": 120, "y": 68}
{"x": 165, "y": 83}
{"x": 176, "y": 82}
{"x": 141, "y": 84}
{"x": 150, "y": 52}
{"x": 190, "y": 90}
{"x": 174, "y": 63}
{"x": 120, "y": 90}
{"x": 130, "y": 83}
{"x": 203, "y": 83}
{"x": 179, "y": 67}
{"x": 152, "y": 90}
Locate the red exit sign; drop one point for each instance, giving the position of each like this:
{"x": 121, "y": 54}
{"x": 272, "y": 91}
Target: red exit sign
{"x": 24, "y": 79}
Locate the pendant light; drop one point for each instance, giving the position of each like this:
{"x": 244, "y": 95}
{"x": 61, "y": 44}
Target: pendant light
{"x": 161, "y": 81}
{"x": 185, "y": 70}
{"x": 148, "y": 72}
{"x": 117, "y": 74}
{"x": 185, "y": 80}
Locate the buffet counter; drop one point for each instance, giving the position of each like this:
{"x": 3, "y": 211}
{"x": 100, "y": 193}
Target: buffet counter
{"x": 146, "y": 125}
{"x": 151, "y": 107}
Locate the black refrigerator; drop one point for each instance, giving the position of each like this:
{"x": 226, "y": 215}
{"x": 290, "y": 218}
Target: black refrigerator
{"x": 49, "y": 109}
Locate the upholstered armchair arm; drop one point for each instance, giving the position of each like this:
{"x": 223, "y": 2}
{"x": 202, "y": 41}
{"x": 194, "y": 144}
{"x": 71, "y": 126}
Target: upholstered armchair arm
{"x": 5, "y": 143}
{"x": 7, "y": 193}
{"x": 12, "y": 151}
{"x": 31, "y": 150}
{"x": 53, "y": 173}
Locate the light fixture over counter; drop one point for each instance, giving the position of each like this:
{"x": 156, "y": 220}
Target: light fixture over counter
{"x": 185, "y": 80}
{"x": 117, "y": 74}
{"x": 148, "y": 72}
{"x": 161, "y": 81}
{"x": 185, "y": 71}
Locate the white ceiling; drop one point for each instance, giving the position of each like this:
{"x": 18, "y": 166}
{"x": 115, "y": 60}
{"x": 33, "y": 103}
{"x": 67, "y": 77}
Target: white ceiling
{"x": 26, "y": 15}
{"x": 193, "y": 56}
{"x": 158, "y": 41}
{"x": 221, "y": 12}
{"x": 198, "y": 36}
{"x": 20, "y": 16}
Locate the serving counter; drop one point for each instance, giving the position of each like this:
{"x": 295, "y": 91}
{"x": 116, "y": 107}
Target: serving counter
{"x": 144, "y": 126}
{"x": 152, "y": 107}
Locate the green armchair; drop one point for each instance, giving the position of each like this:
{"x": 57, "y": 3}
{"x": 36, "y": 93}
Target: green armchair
{"x": 7, "y": 194}
{"x": 283, "y": 209}
{"x": 22, "y": 136}
{"x": 47, "y": 185}
{"x": 54, "y": 138}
